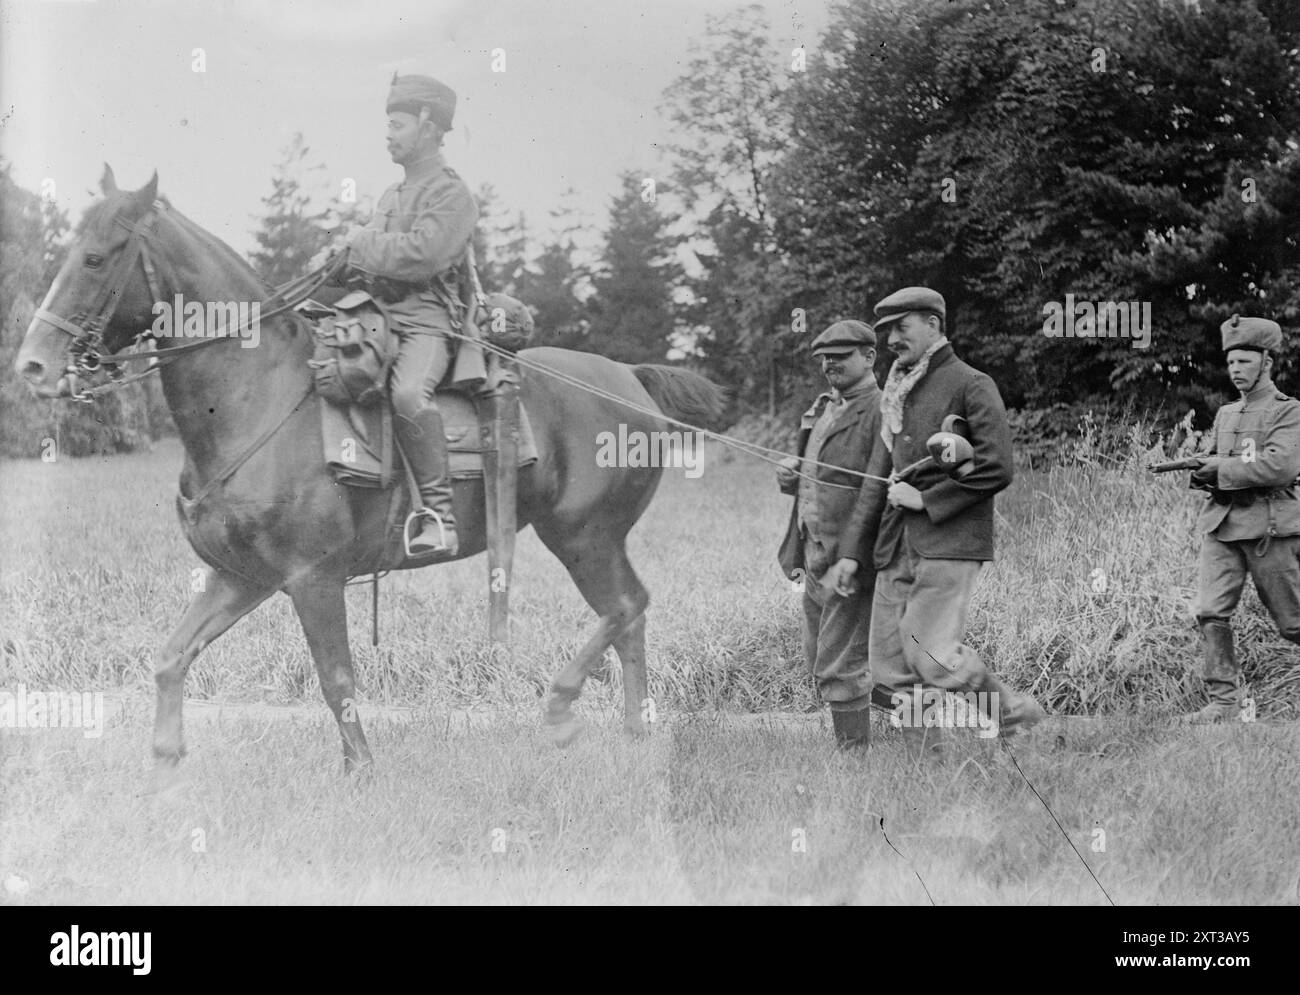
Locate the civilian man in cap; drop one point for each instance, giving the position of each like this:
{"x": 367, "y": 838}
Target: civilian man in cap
{"x": 408, "y": 256}
{"x": 837, "y": 431}
{"x": 1251, "y": 517}
{"x": 932, "y": 532}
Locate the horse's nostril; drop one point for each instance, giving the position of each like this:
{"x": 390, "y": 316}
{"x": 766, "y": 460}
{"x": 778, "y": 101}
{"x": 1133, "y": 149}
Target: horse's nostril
{"x": 33, "y": 370}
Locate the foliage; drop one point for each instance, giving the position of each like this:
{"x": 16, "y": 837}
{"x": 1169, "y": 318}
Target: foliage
{"x": 292, "y": 231}
{"x": 1008, "y": 153}
{"x": 632, "y": 316}
{"x": 33, "y": 247}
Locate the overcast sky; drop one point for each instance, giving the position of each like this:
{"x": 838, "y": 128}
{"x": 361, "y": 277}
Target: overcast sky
{"x": 84, "y": 82}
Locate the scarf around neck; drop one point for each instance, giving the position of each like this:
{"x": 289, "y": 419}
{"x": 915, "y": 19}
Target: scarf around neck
{"x": 898, "y": 385}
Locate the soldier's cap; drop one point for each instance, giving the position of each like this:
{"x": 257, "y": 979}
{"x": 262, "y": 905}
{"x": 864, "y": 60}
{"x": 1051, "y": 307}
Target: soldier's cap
{"x": 413, "y": 92}
{"x": 903, "y": 302}
{"x": 1251, "y": 333}
{"x": 843, "y": 337}
{"x": 514, "y": 311}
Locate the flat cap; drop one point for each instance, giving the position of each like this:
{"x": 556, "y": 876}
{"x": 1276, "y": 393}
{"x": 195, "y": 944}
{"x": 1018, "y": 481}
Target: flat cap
{"x": 411, "y": 93}
{"x": 909, "y": 299}
{"x": 843, "y": 337}
{"x": 1251, "y": 333}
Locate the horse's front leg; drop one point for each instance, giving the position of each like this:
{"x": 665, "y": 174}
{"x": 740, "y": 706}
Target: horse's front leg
{"x": 223, "y": 601}
{"x": 322, "y": 609}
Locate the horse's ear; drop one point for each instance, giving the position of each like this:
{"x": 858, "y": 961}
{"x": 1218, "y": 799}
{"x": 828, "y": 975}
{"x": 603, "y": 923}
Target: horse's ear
{"x": 108, "y": 182}
{"x": 147, "y": 194}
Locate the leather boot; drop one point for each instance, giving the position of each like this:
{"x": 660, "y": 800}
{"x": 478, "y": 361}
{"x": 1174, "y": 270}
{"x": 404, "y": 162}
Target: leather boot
{"x": 425, "y": 447}
{"x": 1222, "y": 679}
{"x": 1016, "y": 712}
{"x": 852, "y": 729}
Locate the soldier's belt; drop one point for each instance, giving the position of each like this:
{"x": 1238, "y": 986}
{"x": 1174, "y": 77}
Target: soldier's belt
{"x": 390, "y": 291}
{"x": 1246, "y": 497}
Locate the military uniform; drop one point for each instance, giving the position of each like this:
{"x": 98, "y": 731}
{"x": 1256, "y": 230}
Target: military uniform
{"x": 929, "y": 560}
{"x": 408, "y": 256}
{"x": 410, "y": 253}
{"x": 1251, "y": 517}
{"x": 837, "y": 430}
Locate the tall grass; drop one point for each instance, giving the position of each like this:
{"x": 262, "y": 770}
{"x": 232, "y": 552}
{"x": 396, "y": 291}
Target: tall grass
{"x": 1089, "y": 602}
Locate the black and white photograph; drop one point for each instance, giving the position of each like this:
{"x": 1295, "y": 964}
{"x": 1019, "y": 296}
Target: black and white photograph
{"x": 613, "y": 453}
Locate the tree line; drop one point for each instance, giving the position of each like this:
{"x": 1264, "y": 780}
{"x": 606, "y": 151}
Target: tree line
{"x": 1013, "y": 154}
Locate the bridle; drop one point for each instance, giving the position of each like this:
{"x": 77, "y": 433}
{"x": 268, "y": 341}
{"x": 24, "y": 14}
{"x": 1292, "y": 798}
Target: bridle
{"x": 87, "y": 326}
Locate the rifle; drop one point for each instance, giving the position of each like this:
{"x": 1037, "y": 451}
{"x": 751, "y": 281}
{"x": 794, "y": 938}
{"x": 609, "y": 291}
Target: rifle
{"x": 1188, "y": 463}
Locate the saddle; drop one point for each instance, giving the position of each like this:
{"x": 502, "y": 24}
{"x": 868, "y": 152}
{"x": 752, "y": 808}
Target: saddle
{"x": 355, "y": 350}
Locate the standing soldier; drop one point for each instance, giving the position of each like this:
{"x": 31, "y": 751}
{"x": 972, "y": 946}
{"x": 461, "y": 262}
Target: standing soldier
{"x": 838, "y": 430}
{"x": 932, "y": 532}
{"x": 1251, "y": 518}
{"x": 408, "y": 257}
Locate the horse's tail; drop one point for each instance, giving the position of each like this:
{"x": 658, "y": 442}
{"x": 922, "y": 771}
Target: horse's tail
{"x": 681, "y": 393}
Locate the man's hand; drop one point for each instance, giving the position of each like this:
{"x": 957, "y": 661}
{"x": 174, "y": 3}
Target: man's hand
{"x": 786, "y": 474}
{"x": 1207, "y": 474}
{"x": 904, "y": 495}
{"x": 840, "y": 577}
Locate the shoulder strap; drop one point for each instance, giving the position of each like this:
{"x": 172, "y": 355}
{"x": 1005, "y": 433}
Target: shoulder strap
{"x": 480, "y": 298}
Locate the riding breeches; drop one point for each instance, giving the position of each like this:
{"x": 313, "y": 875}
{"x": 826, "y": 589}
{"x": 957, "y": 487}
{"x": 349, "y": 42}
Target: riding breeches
{"x": 423, "y": 353}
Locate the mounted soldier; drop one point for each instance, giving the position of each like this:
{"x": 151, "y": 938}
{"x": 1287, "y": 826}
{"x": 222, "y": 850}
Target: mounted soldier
{"x": 409, "y": 257}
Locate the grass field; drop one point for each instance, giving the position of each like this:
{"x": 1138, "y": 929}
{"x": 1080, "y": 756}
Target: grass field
{"x": 736, "y": 797}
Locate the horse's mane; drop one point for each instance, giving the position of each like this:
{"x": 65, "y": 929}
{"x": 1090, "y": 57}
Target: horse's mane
{"x": 211, "y": 243}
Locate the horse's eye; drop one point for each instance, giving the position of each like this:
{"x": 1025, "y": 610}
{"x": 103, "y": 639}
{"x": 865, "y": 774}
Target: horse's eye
{"x": 93, "y": 259}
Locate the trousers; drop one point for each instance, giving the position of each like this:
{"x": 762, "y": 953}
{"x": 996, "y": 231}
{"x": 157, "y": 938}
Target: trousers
{"x": 918, "y": 620}
{"x": 835, "y": 631}
{"x": 423, "y": 352}
{"x": 1222, "y": 572}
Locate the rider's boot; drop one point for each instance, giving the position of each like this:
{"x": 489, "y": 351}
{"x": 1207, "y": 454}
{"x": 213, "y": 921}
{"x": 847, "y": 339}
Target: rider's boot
{"x": 425, "y": 447}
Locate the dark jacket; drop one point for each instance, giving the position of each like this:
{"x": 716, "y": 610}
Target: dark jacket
{"x": 957, "y": 521}
{"x": 847, "y": 445}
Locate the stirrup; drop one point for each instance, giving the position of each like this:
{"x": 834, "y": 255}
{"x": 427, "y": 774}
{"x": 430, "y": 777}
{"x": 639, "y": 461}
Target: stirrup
{"x": 419, "y": 514}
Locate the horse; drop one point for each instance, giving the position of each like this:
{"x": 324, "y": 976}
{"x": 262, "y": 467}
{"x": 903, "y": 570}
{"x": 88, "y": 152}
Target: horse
{"x": 257, "y": 501}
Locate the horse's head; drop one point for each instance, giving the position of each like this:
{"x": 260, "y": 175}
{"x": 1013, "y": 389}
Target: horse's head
{"x": 102, "y": 299}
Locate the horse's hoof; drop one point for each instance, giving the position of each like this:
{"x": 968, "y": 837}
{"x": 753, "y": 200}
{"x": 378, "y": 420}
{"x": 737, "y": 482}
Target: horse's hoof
{"x": 165, "y": 781}
{"x": 635, "y": 728}
{"x": 565, "y": 731}
{"x": 359, "y": 771}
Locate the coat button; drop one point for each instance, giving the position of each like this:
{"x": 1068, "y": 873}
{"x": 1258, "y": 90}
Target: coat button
{"x": 907, "y": 438}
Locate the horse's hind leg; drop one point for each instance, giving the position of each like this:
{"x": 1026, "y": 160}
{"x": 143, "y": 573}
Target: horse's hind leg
{"x": 322, "y": 609}
{"x": 223, "y": 602}
{"x": 638, "y": 709}
{"x": 600, "y": 568}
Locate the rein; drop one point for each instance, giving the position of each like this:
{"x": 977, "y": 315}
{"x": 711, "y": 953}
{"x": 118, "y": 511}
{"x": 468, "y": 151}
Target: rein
{"x": 87, "y": 332}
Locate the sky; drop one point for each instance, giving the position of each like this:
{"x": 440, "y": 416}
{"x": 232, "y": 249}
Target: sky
{"x": 84, "y": 82}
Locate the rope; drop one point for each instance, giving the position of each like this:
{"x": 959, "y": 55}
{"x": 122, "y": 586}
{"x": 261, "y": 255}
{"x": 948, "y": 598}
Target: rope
{"x": 751, "y": 448}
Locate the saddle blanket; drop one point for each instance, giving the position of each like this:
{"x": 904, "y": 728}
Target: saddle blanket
{"x": 354, "y": 444}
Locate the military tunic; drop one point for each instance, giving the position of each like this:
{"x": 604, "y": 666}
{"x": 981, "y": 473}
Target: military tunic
{"x": 1252, "y": 525}
{"x": 419, "y": 232}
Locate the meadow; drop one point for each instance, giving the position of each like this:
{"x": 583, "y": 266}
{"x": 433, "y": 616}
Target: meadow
{"x": 737, "y": 796}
